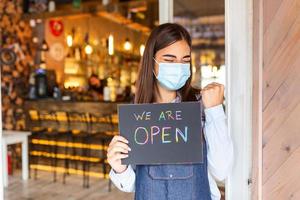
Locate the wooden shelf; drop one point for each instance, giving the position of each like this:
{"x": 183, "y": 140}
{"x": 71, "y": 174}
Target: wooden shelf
{"x": 88, "y": 10}
{"x": 68, "y": 13}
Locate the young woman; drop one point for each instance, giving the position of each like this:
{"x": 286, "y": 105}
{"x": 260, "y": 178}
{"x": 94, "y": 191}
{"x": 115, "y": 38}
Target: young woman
{"x": 164, "y": 77}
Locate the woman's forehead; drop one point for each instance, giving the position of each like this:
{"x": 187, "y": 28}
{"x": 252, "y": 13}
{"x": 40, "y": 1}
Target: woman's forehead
{"x": 178, "y": 49}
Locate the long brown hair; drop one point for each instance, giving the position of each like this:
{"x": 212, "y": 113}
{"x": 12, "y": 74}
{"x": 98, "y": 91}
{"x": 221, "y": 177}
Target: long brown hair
{"x": 161, "y": 37}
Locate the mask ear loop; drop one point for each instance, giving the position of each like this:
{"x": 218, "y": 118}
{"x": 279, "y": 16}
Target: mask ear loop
{"x": 153, "y": 69}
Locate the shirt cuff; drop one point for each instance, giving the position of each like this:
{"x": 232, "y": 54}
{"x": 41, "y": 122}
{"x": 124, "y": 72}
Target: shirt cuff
{"x": 121, "y": 178}
{"x": 214, "y": 113}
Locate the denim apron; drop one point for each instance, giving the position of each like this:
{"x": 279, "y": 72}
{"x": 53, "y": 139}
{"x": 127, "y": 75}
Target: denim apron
{"x": 173, "y": 182}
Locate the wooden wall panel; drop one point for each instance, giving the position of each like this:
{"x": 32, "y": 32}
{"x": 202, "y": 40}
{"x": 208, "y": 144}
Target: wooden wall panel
{"x": 279, "y": 43}
{"x": 271, "y": 6}
{"x": 284, "y": 184}
{"x": 282, "y": 145}
{"x": 281, "y": 100}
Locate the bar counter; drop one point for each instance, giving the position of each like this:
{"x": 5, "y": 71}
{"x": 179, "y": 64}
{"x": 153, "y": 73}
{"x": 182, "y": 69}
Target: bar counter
{"x": 50, "y": 106}
{"x": 71, "y": 137}
{"x": 50, "y": 103}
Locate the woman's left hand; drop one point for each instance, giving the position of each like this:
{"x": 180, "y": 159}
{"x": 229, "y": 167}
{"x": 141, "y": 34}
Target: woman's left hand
{"x": 212, "y": 95}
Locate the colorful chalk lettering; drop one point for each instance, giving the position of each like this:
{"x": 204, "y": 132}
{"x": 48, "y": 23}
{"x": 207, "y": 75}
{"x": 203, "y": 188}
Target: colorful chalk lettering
{"x": 168, "y": 135}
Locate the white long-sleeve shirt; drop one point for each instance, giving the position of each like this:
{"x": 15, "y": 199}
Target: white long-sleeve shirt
{"x": 219, "y": 154}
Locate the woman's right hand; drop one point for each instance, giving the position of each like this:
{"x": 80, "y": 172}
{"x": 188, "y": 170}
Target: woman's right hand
{"x": 117, "y": 149}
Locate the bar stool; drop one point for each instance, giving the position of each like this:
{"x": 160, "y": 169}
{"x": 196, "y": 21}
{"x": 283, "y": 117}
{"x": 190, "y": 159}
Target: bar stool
{"x": 51, "y": 135}
{"x": 36, "y": 133}
{"x": 63, "y": 135}
{"x": 80, "y": 136}
{"x": 40, "y": 132}
{"x": 105, "y": 135}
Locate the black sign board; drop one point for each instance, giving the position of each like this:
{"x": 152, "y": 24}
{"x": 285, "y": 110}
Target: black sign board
{"x": 162, "y": 133}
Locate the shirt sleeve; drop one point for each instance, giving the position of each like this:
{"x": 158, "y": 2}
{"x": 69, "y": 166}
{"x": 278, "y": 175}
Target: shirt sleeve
{"x": 124, "y": 181}
{"x": 214, "y": 190}
{"x": 219, "y": 143}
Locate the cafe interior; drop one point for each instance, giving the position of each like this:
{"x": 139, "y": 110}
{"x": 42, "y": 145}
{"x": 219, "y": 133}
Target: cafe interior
{"x": 65, "y": 67}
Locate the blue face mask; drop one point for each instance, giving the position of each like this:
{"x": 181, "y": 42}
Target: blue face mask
{"x": 173, "y": 76}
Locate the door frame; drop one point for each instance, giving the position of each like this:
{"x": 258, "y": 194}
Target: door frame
{"x": 239, "y": 82}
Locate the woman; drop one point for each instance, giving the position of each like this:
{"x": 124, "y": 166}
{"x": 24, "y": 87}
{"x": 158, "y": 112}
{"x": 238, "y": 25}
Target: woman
{"x": 164, "y": 77}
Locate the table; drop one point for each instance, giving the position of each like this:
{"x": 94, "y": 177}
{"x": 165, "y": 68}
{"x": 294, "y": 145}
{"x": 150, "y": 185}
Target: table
{"x": 14, "y": 137}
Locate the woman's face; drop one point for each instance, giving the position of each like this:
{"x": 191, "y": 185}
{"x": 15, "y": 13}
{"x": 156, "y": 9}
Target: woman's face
{"x": 178, "y": 52}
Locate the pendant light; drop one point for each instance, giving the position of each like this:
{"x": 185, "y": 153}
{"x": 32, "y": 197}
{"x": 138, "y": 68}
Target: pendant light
{"x": 88, "y": 49}
{"x": 44, "y": 46}
{"x": 142, "y": 49}
{"x": 69, "y": 40}
{"x": 127, "y": 45}
{"x": 110, "y": 45}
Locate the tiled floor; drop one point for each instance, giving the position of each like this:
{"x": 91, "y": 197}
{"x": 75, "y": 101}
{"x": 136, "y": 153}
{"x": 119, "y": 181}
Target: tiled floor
{"x": 44, "y": 189}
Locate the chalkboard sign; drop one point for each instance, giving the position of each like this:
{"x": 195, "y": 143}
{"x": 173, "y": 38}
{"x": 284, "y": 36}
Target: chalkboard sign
{"x": 162, "y": 133}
